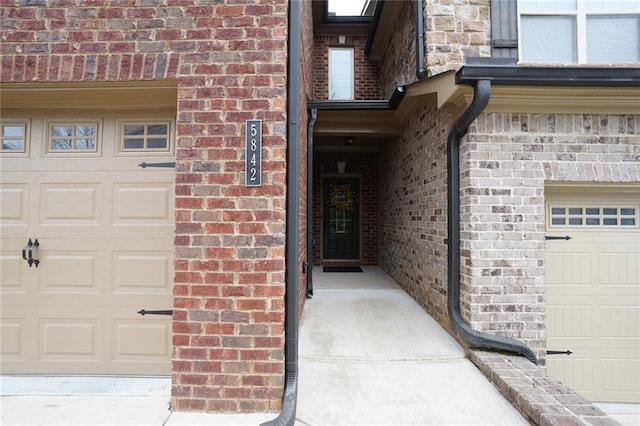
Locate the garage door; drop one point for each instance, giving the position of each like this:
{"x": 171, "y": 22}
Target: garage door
{"x": 104, "y": 231}
{"x": 593, "y": 291}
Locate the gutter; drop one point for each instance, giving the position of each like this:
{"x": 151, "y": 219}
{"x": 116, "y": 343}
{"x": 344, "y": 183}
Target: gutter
{"x": 391, "y": 104}
{"x": 313, "y": 116}
{"x": 287, "y": 414}
{"x": 420, "y": 70}
{"x": 481, "y": 96}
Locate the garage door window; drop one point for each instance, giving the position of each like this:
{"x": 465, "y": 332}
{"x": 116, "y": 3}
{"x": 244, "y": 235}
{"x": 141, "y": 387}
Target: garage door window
{"x": 145, "y": 137}
{"x": 590, "y": 216}
{"x": 73, "y": 137}
{"x": 14, "y": 137}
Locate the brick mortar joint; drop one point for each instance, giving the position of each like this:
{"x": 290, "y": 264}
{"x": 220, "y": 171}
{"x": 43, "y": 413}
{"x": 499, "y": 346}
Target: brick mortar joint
{"x": 497, "y": 368}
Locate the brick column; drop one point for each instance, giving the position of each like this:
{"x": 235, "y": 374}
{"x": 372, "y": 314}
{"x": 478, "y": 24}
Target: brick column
{"x": 230, "y": 244}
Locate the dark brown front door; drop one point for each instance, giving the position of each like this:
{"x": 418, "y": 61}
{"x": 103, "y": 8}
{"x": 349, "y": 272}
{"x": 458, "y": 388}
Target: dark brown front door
{"x": 341, "y": 218}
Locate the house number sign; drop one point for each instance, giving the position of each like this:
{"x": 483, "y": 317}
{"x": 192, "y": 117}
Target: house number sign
{"x": 253, "y": 153}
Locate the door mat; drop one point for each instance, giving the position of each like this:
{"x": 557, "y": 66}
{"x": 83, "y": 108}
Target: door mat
{"x": 341, "y": 269}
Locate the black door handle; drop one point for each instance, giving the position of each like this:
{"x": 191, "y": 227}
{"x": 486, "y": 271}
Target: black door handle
{"x": 27, "y": 252}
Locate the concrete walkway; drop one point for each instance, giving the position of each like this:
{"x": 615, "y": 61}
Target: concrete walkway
{"x": 370, "y": 355}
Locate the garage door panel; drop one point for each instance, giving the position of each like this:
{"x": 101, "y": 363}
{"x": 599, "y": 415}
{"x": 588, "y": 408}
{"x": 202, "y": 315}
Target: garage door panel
{"x": 55, "y": 276}
{"x": 619, "y": 268}
{"x": 14, "y": 199}
{"x": 620, "y": 321}
{"x": 142, "y": 205}
{"x": 12, "y": 269}
{"x": 71, "y": 204}
{"x": 570, "y": 268}
{"x": 69, "y": 339}
{"x": 570, "y": 321}
{"x": 577, "y": 372}
{"x": 13, "y": 339}
{"x": 148, "y": 339}
{"x": 620, "y": 377}
{"x": 142, "y": 272}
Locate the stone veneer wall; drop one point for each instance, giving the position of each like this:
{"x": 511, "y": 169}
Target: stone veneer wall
{"x": 506, "y": 159}
{"x": 228, "y": 60}
{"x": 454, "y": 30}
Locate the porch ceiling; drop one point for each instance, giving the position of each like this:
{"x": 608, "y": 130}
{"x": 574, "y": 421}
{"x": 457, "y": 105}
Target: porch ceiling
{"x": 340, "y": 123}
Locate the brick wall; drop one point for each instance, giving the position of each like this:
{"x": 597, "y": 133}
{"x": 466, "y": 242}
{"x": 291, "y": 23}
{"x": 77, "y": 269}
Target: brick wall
{"x": 398, "y": 66}
{"x": 413, "y": 208}
{"x": 366, "y": 73}
{"x": 505, "y": 162}
{"x": 229, "y": 63}
{"x": 506, "y": 159}
{"x": 454, "y": 31}
{"x": 363, "y": 165}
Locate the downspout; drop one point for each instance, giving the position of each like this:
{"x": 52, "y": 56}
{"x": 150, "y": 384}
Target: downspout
{"x": 313, "y": 116}
{"x": 287, "y": 414}
{"x": 420, "y": 71}
{"x": 481, "y": 95}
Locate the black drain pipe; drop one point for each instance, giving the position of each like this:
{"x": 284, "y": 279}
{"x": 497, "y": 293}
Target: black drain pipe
{"x": 481, "y": 95}
{"x": 313, "y": 116}
{"x": 420, "y": 70}
{"x": 287, "y": 414}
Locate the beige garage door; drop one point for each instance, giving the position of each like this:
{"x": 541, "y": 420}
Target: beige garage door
{"x": 105, "y": 231}
{"x": 593, "y": 290}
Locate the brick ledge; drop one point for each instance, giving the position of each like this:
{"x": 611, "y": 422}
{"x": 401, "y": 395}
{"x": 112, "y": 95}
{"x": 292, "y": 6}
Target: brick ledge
{"x": 542, "y": 399}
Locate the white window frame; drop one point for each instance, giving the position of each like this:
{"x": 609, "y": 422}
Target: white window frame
{"x": 349, "y": 49}
{"x": 121, "y": 150}
{"x": 48, "y": 150}
{"x": 24, "y": 152}
{"x": 580, "y": 14}
{"x": 584, "y": 215}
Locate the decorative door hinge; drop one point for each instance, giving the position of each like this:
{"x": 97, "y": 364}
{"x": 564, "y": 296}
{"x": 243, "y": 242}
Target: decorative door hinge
{"x": 144, "y": 312}
{"x": 567, "y": 352}
{"x": 168, "y": 165}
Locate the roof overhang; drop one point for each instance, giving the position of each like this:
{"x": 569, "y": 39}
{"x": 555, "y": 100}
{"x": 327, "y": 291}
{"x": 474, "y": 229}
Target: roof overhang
{"x": 565, "y": 89}
{"x": 515, "y": 89}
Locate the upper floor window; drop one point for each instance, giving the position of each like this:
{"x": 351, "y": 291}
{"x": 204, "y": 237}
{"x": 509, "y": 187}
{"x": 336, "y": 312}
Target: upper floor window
{"x": 341, "y": 73}
{"x": 579, "y": 31}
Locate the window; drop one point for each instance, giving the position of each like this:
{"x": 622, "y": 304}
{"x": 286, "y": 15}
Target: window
{"x": 72, "y": 137}
{"x": 152, "y": 136}
{"x": 14, "y": 137}
{"x": 341, "y": 73}
{"x": 579, "y": 31}
{"x": 594, "y": 216}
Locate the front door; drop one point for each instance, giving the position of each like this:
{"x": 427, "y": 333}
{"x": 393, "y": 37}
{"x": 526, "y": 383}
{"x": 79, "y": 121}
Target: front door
{"x": 341, "y": 218}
